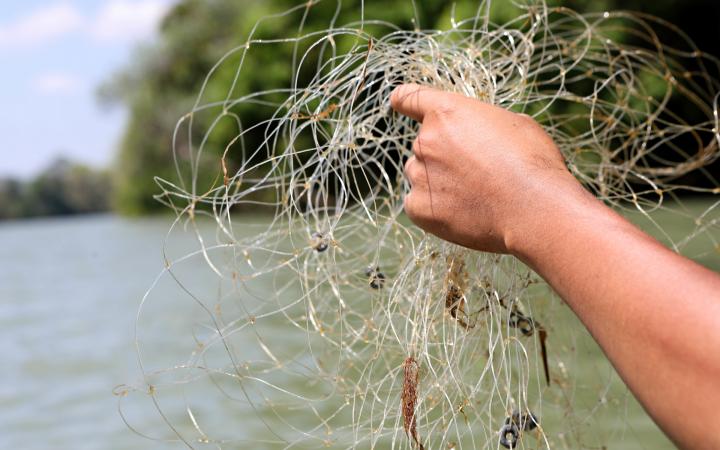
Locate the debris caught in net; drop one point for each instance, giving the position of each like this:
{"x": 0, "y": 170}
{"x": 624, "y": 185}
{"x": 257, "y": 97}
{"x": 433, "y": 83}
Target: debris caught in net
{"x": 322, "y": 316}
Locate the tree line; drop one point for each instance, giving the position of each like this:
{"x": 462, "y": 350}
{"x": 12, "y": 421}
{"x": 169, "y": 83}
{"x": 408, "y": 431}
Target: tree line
{"x": 63, "y": 188}
{"x": 163, "y": 79}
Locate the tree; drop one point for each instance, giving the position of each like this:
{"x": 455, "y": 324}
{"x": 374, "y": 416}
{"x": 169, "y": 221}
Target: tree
{"x": 163, "y": 82}
{"x": 63, "y": 188}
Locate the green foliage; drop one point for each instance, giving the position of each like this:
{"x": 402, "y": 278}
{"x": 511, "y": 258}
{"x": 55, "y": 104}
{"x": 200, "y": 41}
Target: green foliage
{"x": 164, "y": 82}
{"x": 10, "y": 204}
{"x": 64, "y": 188}
{"x": 165, "y": 79}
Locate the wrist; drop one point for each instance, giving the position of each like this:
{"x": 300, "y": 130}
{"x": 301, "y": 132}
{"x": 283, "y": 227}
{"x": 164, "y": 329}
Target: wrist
{"x": 553, "y": 210}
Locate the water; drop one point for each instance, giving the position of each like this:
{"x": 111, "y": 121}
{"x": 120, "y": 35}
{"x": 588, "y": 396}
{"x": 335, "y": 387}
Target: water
{"x": 69, "y": 292}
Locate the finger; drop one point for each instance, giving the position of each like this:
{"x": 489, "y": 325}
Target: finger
{"x": 416, "y": 208}
{"x": 415, "y": 101}
{"x": 425, "y": 140}
{"x": 410, "y": 161}
{"x": 412, "y": 170}
{"x": 410, "y": 205}
{"x": 526, "y": 116}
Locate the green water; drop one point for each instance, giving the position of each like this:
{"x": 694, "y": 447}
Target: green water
{"x": 69, "y": 292}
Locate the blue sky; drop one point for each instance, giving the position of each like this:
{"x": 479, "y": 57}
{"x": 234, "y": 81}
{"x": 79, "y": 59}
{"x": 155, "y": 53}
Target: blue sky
{"x": 53, "y": 56}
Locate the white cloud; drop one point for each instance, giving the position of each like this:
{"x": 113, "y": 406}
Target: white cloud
{"x": 117, "y": 21}
{"x": 55, "y": 83}
{"x": 41, "y": 26}
{"x": 128, "y": 20}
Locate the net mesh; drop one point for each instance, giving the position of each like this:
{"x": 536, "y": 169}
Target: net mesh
{"x": 321, "y": 316}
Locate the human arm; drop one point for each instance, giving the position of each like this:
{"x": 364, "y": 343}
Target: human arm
{"x": 493, "y": 180}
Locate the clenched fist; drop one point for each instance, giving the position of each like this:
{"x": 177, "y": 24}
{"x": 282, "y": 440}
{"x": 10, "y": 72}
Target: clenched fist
{"x": 480, "y": 175}
{"x": 493, "y": 180}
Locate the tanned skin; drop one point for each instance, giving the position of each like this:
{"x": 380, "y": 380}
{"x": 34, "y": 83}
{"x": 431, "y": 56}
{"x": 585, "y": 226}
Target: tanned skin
{"x": 493, "y": 180}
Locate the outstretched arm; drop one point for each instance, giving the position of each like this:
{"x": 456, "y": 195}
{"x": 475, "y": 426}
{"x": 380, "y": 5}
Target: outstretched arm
{"x": 493, "y": 180}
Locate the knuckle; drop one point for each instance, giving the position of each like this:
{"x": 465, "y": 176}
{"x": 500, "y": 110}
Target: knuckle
{"x": 445, "y": 110}
{"x": 397, "y": 95}
{"x": 441, "y": 119}
{"x": 409, "y": 205}
{"x": 408, "y": 166}
{"x": 527, "y": 118}
{"x": 414, "y": 206}
{"x": 445, "y": 104}
{"x": 417, "y": 147}
{"x": 414, "y": 173}
{"x": 425, "y": 139}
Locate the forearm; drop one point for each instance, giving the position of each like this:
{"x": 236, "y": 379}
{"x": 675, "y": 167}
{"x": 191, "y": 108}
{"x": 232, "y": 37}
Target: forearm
{"x": 493, "y": 180}
{"x": 654, "y": 313}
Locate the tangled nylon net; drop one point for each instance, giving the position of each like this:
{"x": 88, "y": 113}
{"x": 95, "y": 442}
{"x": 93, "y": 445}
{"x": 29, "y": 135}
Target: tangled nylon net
{"x": 331, "y": 320}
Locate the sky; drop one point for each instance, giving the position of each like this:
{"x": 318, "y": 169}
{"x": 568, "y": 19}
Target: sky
{"x": 53, "y": 56}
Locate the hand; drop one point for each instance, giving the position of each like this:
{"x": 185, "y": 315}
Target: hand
{"x": 480, "y": 174}
{"x": 493, "y": 180}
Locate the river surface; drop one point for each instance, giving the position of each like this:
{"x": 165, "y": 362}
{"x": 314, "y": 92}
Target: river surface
{"x": 69, "y": 291}
{"x": 69, "y": 294}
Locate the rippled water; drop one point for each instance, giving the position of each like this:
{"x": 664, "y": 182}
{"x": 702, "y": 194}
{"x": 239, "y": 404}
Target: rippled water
{"x": 69, "y": 292}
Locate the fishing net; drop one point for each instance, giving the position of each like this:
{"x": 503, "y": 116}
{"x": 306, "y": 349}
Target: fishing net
{"x": 312, "y": 313}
